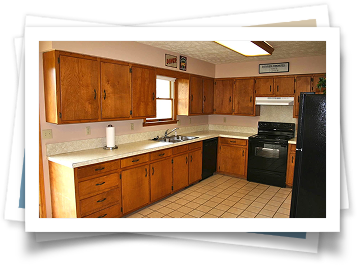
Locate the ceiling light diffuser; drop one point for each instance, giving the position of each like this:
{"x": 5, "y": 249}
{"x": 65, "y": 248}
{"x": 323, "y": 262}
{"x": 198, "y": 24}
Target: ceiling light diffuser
{"x": 248, "y": 48}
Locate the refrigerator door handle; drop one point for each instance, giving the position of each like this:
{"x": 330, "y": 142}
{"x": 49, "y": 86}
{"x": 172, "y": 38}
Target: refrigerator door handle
{"x": 299, "y": 149}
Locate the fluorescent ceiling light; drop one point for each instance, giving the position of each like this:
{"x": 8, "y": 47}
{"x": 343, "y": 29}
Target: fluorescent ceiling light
{"x": 248, "y": 48}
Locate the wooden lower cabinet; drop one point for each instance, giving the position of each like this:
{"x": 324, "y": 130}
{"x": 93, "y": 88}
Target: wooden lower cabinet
{"x": 290, "y": 165}
{"x": 180, "y": 172}
{"x": 161, "y": 179}
{"x": 195, "y": 166}
{"x": 135, "y": 188}
{"x": 232, "y": 159}
{"x": 119, "y": 187}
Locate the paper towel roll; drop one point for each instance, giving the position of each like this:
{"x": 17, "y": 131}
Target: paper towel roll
{"x": 110, "y": 136}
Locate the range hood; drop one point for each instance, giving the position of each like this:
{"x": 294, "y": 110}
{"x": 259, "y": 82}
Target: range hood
{"x": 282, "y": 101}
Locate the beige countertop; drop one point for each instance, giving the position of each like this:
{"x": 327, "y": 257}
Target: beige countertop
{"x": 292, "y": 141}
{"x": 97, "y": 155}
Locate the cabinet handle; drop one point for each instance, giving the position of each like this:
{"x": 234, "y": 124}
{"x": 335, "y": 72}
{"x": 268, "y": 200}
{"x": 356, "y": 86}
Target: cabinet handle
{"x": 277, "y": 88}
{"x": 99, "y": 169}
{"x": 230, "y": 99}
{"x": 99, "y": 184}
{"x": 270, "y": 88}
{"x": 153, "y": 170}
{"x": 95, "y": 94}
{"x": 105, "y": 94}
{"x": 250, "y": 98}
{"x": 136, "y": 160}
{"x": 204, "y": 98}
{"x": 191, "y": 158}
{"x": 243, "y": 152}
{"x": 146, "y": 172}
{"x": 191, "y": 97}
{"x": 312, "y": 88}
{"x": 102, "y": 200}
{"x": 153, "y": 96}
{"x": 162, "y": 154}
{"x": 104, "y": 215}
{"x": 298, "y": 99}
{"x": 232, "y": 141}
{"x": 292, "y": 159}
{"x": 186, "y": 159}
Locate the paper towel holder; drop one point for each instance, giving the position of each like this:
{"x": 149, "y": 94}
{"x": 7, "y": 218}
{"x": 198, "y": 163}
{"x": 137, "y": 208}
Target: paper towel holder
{"x": 110, "y": 148}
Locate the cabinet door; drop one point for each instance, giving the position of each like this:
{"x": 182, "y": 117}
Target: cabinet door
{"x": 196, "y": 95}
{"x": 143, "y": 83}
{"x": 243, "y": 95}
{"x": 290, "y": 169}
{"x": 195, "y": 166}
{"x": 79, "y": 89}
{"x": 208, "y": 95}
{"x": 264, "y": 87}
{"x": 180, "y": 172}
{"x": 135, "y": 188}
{"x": 161, "y": 179}
{"x": 115, "y": 87}
{"x": 232, "y": 160}
{"x": 315, "y": 80}
{"x": 303, "y": 84}
{"x": 223, "y": 94}
{"x": 284, "y": 86}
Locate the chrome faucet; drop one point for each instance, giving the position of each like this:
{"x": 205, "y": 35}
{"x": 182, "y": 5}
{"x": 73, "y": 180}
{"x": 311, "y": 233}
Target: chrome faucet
{"x": 167, "y": 133}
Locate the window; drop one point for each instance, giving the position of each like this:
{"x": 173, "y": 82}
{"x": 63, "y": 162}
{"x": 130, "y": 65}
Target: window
{"x": 165, "y": 105}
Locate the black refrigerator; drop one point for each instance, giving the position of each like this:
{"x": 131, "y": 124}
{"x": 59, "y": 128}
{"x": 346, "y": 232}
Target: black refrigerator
{"x": 309, "y": 185}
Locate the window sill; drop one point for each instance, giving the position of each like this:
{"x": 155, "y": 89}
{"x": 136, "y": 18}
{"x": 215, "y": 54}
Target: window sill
{"x": 158, "y": 122}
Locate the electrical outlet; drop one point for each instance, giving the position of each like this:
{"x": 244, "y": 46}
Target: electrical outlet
{"x": 190, "y": 120}
{"x": 47, "y": 134}
{"x": 224, "y": 119}
{"x": 132, "y": 126}
{"x": 179, "y": 122}
{"x": 88, "y": 130}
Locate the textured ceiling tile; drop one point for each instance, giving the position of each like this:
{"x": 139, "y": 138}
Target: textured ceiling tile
{"x": 212, "y": 52}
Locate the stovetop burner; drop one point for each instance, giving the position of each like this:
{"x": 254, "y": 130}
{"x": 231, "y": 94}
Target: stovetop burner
{"x": 277, "y": 131}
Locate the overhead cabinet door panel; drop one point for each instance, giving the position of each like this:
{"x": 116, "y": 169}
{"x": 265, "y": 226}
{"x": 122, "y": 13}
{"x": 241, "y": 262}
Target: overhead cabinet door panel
{"x": 79, "y": 89}
{"x": 284, "y": 86}
{"x": 196, "y": 95}
{"x": 143, "y": 82}
{"x": 264, "y": 86}
{"x": 115, "y": 85}
{"x": 243, "y": 95}
{"x": 208, "y": 92}
{"x": 223, "y": 94}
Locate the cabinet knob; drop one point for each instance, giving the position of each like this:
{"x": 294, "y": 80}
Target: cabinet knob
{"x": 277, "y": 88}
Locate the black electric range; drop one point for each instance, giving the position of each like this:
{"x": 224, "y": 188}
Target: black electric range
{"x": 268, "y": 153}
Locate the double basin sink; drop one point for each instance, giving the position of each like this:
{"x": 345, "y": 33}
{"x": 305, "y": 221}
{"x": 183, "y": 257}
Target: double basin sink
{"x": 175, "y": 139}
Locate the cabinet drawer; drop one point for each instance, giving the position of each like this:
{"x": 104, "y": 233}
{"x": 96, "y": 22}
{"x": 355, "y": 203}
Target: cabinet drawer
{"x": 160, "y": 154}
{"x": 195, "y": 145}
{"x": 180, "y": 149}
{"x": 233, "y": 141}
{"x": 110, "y": 212}
{"x": 135, "y": 160}
{"x": 86, "y": 171}
{"x": 99, "y": 184}
{"x": 99, "y": 201}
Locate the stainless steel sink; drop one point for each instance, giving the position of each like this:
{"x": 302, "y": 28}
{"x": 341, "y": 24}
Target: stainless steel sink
{"x": 175, "y": 139}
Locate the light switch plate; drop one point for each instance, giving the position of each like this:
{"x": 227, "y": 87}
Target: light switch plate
{"x": 132, "y": 126}
{"x": 224, "y": 119}
{"x": 88, "y": 132}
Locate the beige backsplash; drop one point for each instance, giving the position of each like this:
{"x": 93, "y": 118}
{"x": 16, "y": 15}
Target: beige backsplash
{"x": 215, "y": 122}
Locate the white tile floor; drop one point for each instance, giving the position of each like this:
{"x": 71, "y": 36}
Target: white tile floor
{"x": 222, "y": 196}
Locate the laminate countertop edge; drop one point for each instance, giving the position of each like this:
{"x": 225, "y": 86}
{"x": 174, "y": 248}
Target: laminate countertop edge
{"x": 98, "y": 155}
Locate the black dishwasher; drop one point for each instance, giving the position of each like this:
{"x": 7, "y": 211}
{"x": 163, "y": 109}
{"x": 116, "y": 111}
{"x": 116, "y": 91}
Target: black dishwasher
{"x": 209, "y": 157}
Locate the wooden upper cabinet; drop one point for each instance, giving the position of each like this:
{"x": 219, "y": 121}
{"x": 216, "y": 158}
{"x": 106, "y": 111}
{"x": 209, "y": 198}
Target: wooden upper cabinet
{"x": 208, "y": 95}
{"x": 196, "y": 95}
{"x": 284, "y": 86}
{"x": 115, "y": 90}
{"x": 79, "y": 88}
{"x": 71, "y": 86}
{"x": 143, "y": 83}
{"x": 303, "y": 84}
{"x": 315, "y": 80}
{"x": 223, "y": 96}
{"x": 264, "y": 87}
{"x": 243, "y": 95}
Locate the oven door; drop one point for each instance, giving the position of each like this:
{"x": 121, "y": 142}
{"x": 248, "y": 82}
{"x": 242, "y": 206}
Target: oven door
{"x": 267, "y": 161}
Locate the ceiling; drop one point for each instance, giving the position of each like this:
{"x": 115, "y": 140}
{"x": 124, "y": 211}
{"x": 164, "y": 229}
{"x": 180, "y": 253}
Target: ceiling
{"x": 212, "y": 52}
